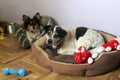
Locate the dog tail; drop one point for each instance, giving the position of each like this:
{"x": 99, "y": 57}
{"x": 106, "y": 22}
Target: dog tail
{"x": 22, "y": 37}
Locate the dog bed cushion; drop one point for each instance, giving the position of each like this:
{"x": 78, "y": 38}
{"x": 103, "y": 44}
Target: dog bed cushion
{"x": 105, "y": 62}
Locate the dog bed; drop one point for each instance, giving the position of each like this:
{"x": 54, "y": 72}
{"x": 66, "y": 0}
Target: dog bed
{"x": 105, "y": 62}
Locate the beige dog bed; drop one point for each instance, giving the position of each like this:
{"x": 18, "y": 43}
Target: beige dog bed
{"x": 106, "y": 62}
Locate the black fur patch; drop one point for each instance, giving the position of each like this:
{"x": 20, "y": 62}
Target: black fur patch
{"x": 80, "y": 31}
{"x": 48, "y": 28}
{"x": 61, "y": 32}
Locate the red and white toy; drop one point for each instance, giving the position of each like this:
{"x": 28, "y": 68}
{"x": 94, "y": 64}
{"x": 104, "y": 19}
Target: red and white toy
{"x": 109, "y": 46}
{"x": 81, "y": 55}
{"x": 112, "y": 45}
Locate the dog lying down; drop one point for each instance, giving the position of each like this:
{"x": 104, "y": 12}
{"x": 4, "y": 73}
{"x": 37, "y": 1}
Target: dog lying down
{"x": 65, "y": 42}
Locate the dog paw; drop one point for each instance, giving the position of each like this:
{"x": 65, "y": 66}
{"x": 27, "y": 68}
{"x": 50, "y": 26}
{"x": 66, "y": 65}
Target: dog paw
{"x": 100, "y": 49}
{"x": 76, "y": 50}
{"x": 95, "y": 55}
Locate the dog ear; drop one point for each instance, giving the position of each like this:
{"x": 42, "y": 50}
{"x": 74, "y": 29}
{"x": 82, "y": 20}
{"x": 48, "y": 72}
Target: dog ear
{"x": 37, "y": 16}
{"x": 62, "y": 33}
{"x": 50, "y": 27}
{"x": 25, "y": 18}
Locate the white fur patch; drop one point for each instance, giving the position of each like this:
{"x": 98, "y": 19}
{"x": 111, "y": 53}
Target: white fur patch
{"x": 90, "y": 39}
{"x": 31, "y": 36}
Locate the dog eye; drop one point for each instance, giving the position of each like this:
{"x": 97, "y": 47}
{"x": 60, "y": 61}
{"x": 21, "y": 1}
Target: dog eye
{"x": 56, "y": 36}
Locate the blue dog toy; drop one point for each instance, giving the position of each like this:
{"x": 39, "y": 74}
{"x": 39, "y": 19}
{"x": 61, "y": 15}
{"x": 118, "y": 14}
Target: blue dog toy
{"x": 7, "y": 71}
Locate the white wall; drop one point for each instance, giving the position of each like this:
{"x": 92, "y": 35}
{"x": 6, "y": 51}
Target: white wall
{"x": 97, "y": 14}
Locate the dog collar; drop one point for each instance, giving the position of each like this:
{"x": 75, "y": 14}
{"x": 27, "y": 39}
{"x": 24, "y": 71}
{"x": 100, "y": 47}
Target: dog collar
{"x": 60, "y": 44}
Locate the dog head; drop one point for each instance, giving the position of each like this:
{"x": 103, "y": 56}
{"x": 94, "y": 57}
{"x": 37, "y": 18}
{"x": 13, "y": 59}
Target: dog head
{"x": 55, "y": 36}
{"x": 32, "y": 24}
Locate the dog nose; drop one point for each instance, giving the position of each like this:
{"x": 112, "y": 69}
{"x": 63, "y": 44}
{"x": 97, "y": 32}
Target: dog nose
{"x": 49, "y": 41}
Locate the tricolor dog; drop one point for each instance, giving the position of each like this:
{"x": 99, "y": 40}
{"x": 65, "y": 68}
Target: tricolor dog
{"x": 32, "y": 29}
{"x": 66, "y": 41}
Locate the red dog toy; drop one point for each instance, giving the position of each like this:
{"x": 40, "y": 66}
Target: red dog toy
{"x": 83, "y": 56}
{"x": 112, "y": 45}
{"x": 109, "y": 46}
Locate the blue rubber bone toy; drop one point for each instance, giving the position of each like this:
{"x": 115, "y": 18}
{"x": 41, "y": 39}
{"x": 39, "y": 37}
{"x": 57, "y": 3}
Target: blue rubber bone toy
{"x": 7, "y": 71}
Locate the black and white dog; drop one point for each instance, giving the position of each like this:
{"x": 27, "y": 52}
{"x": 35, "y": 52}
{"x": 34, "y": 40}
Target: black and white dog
{"x": 66, "y": 41}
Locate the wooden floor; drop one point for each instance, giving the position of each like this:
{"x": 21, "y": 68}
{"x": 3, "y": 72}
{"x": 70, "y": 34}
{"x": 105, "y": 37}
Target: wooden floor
{"x": 12, "y": 56}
